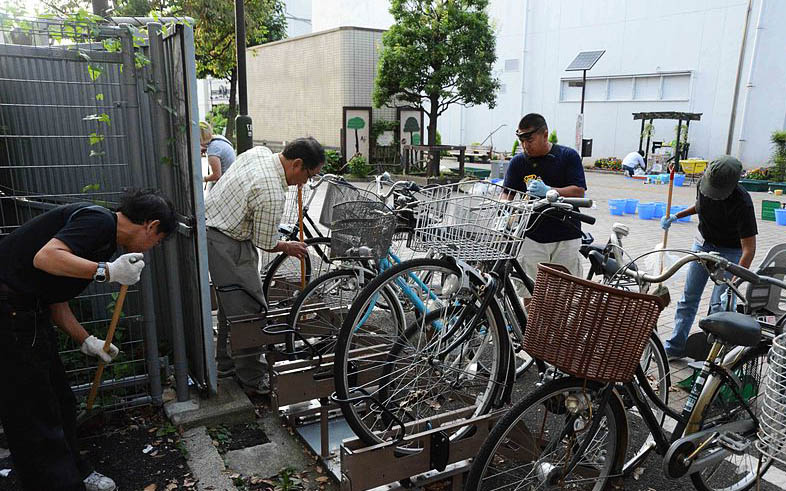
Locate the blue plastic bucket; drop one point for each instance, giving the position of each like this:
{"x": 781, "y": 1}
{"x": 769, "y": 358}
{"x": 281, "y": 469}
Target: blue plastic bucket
{"x": 780, "y": 216}
{"x": 660, "y": 209}
{"x": 679, "y": 179}
{"x": 676, "y": 209}
{"x": 630, "y": 206}
{"x": 664, "y": 178}
{"x": 617, "y": 206}
{"x": 647, "y": 211}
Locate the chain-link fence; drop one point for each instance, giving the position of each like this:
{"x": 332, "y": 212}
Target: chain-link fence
{"x": 86, "y": 111}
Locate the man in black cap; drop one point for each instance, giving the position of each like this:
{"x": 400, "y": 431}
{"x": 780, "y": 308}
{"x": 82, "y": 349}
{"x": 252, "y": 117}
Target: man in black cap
{"x": 727, "y": 225}
{"x": 43, "y": 264}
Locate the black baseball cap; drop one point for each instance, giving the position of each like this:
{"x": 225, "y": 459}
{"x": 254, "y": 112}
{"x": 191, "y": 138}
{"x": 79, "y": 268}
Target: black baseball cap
{"x": 721, "y": 177}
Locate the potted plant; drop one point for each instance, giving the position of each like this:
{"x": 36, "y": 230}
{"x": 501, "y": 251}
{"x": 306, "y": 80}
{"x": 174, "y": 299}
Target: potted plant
{"x": 778, "y": 171}
{"x": 756, "y": 180}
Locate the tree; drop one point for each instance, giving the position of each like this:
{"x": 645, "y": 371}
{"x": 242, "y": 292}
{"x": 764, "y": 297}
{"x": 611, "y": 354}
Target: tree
{"x": 356, "y": 124}
{"x": 214, "y": 38}
{"x": 437, "y": 53}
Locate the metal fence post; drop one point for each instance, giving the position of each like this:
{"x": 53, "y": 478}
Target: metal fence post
{"x": 134, "y": 143}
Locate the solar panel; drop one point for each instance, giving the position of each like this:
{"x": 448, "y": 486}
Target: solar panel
{"x": 585, "y": 60}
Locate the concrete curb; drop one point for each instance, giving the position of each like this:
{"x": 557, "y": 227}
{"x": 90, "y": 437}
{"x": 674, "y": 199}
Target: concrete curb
{"x": 205, "y": 462}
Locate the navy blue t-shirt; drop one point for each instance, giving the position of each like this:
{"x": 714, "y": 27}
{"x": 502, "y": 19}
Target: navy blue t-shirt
{"x": 559, "y": 168}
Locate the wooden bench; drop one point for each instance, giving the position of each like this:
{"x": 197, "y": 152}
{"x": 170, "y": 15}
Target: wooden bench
{"x": 481, "y": 152}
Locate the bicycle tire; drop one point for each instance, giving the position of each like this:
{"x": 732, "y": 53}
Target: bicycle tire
{"x": 511, "y": 443}
{"x": 350, "y": 338}
{"x": 724, "y": 407}
{"x": 281, "y": 282}
{"x": 319, "y": 325}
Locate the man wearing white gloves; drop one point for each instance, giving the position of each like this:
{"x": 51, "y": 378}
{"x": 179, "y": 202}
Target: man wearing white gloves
{"x": 43, "y": 264}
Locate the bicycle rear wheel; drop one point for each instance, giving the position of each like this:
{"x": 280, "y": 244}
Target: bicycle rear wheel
{"x": 532, "y": 444}
{"x": 735, "y": 472}
{"x": 411, "y": 374}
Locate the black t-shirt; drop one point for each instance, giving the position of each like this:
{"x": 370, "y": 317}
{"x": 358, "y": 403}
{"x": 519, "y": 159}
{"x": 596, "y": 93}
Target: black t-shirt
{"x": 724, "y": 222}
{"x": 89, "y": 230}
{"x": 559, "y": 168}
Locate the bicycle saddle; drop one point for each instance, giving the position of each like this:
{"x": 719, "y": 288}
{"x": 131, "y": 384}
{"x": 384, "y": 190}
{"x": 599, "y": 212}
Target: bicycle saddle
{"x": 733, "y": 328}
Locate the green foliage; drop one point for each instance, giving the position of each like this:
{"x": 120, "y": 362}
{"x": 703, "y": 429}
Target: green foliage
{"x": 437, "y": 52}
{"x": 759, "y": 173}
{"x": 288, "y": 480}
{"x": 553, "y": 137}
{"x": 358, "y": 166}
{"x": 778, "y": 139}
{"x": 648, "y": 129}
{"x": 217, "y": 117}
{"x": 167, "y": 430}
{"x": 610, "y": 163}
{"x": 515, "y": 147}
{"x": 220, "y": 434}
{"x": 380, "y": 126}
{"x": 332, "y": 162}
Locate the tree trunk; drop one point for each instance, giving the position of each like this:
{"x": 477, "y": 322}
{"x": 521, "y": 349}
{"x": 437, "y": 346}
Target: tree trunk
{"x": 230, "y": 129}
{"x": 357, "y": 143}
{"x": 433, "y": 161}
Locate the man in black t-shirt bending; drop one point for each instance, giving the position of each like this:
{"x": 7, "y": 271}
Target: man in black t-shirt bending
{"x": 43, "y": 264}
{"x": 727, "y": 225}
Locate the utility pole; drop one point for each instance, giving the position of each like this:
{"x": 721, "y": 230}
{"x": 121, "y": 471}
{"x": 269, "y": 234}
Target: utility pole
{"x": 243, "y": 130}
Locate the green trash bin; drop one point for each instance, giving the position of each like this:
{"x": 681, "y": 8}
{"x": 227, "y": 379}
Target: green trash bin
{"x": 768, "y": 208}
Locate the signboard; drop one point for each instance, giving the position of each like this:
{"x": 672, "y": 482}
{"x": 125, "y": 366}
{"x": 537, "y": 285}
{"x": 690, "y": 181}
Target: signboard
{"x": 410, "y": 126}
{"x": 385, "y": 139}
{"x": 357, "y": 128}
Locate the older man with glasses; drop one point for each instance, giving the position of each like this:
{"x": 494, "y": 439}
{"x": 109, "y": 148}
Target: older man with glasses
{"x": 543, "y": 166}
{"x": 243, "y": 212}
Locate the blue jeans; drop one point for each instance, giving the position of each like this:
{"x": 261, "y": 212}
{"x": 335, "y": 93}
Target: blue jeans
{"x": 694, "y": 287}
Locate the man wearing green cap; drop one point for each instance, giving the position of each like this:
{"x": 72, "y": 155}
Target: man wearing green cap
{"x": 727, "y": 225}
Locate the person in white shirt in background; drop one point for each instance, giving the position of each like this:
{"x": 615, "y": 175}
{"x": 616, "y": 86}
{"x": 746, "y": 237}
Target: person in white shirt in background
{"x": 633, "y": 161}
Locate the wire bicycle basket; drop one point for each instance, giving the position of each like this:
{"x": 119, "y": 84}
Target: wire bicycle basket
{"x": 772, "y": 420}
{"x": 361, "y": 230}
{"x": 586, "y": 329}
{"x": 470, "y": 221}
{"x": 339, "y": 191}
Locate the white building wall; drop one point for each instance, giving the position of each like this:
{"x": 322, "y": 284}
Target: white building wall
{"x": 329, "y": 14}
{"x": 701, "y": 38}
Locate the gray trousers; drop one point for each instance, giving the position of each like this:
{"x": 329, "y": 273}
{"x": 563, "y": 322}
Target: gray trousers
{"x": 234, "y": 262}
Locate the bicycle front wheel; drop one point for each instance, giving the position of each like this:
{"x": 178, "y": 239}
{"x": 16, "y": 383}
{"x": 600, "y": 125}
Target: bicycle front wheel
{"x": 442, "y": 362}
{"x": 736, "y": 471}
{"x": 282, "y": 277}
{"x": 534, "y": 444}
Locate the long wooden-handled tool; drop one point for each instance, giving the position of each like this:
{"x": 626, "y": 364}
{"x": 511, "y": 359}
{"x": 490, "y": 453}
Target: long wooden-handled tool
{"x": 121, "y": 297}
{"x": 300, "y": 225}
{"x": 661, "y": 290}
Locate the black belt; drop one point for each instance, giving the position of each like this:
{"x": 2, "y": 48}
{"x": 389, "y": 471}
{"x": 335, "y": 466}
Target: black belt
{"x": 18, "y": 301}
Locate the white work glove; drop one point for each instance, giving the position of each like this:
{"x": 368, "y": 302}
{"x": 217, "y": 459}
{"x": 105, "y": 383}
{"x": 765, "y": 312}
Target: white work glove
{"x": 92, "y": 346}
{"x": 127, "y": 268}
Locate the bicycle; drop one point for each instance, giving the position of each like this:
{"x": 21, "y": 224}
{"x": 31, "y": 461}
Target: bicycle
{"x": 585, "y": 445}
{"x": 466, "y": 365}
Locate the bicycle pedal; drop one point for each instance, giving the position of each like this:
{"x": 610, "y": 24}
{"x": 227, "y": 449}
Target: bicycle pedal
{"x": 734, "y": 443}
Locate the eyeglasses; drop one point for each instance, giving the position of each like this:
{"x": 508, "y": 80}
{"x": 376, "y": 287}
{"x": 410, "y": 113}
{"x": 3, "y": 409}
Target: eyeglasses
{"x": 527, "y": 135}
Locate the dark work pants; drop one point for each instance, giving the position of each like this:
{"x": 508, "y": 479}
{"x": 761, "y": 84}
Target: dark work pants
{"x": 37, "y": 406}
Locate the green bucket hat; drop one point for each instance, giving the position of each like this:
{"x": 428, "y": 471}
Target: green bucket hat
{"x": 721, "y": 177}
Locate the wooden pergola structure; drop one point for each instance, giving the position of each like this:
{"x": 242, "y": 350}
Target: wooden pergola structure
{"x": 675, "y": 115}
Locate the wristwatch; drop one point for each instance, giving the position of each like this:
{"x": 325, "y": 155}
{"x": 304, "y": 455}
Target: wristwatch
{"x": 100, "y": 274}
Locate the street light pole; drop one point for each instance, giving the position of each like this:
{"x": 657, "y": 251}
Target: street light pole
{"x": 242, "y": 121}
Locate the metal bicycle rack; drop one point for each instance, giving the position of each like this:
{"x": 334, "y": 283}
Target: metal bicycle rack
{"x": 302, "y": 390}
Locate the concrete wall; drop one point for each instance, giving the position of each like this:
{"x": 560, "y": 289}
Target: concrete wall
{"x": 298, "y": 86}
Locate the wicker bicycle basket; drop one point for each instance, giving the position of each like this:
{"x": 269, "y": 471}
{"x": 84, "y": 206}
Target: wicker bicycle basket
{"x": 361, "y": 229}
{"x": 586, "y": 329}
{"x": 772, "y": 420}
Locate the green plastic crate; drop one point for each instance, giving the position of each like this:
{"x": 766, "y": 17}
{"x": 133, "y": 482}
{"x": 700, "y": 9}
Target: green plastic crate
{"x": 768, "y": 209}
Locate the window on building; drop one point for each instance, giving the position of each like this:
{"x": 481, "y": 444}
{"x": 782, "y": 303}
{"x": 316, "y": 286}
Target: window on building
{"x": 673, "y": 86}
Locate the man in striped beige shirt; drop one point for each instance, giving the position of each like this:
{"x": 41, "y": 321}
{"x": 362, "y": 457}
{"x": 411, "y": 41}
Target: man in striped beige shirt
{"x": 243, "y": 213}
